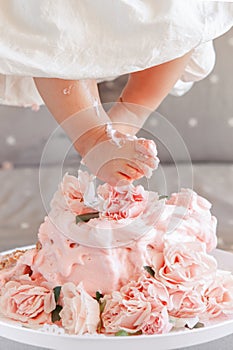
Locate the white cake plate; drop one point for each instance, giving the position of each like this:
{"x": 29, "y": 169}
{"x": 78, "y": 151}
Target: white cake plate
{"x": 173, "y": 340}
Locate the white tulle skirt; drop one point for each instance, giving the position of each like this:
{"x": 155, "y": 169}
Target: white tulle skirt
{"x": 80, "y": 39}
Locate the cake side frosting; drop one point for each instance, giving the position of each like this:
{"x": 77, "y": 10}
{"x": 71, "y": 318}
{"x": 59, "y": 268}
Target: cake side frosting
{"x": 136, "y": 264}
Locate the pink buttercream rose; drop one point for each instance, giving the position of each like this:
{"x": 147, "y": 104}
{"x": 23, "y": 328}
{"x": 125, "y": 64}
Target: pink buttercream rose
{"x": 218, "y": 296}
{"x": 151, "y": 290}
{"x": 182, "y": 265}
{"x": 75, "y": 194}
{"x": 126, "y": 314}
{"x": 122, "y": 202}
{"x": 27, "y": 303}
{"x": 136, "y": 306}
{"x": 158, "y": 323}
{"x": 200, "y": 228}
{"x": 80, "y": 313}
{"x": 189, "y": 199}
{"x": 21, "y": 265}
{"x": 186, "y": 304}
{"x": 191, "y": 217}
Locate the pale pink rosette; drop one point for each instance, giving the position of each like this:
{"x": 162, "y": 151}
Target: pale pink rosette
{"x": 191, "y": 217}
{"x": 136, "y": 306}
{"x": 182, "y": 265}
{"x": 187, "y": 304}
{"x": 158, "y": 323}
{"x": 218, "y": 296}
{"x": 75, "y": 194}
{"x": 190, "y": 200}
{"x": 80, "y": 313}
{"x": 122, "y": 202}
{"x": 151, "y": 289}
{"x": 21, "y": 267}
{"x": 202, "y": 229}
{"x": 27, "y": 303}
{"x": 125, "y": 313}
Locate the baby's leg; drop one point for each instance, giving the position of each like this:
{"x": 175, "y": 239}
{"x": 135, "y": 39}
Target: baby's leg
{"x": 76, "y": 106}
{"x": 144, "y": 92}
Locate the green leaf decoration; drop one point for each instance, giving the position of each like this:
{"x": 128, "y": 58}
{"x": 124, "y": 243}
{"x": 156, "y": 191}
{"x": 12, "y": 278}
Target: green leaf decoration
{"x": 99, "y": 327}
{"x": 122, "y": 333}
{"x": 57, "y": 291}
{"x": 102, "y": 306}
{"x": 149, "y": 270}
{"x": 199, "y": 325}
{"x": 163, "y": 197}
{"x": 98, "y": 296}
{"x": 55, "y": 314}
{"x": 86, "y": 217}
{"x": 136, "y": 333}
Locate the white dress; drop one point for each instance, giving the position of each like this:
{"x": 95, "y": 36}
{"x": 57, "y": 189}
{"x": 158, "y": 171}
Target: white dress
{"x": 80, "y": 39}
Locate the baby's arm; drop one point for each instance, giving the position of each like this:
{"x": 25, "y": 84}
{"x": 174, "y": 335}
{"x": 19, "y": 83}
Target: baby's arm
{"x": 144, "y": 92}
{"x": 76, "y": 106}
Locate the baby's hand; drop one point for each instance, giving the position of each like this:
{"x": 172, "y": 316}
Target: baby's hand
{"x": 115, "y": 157}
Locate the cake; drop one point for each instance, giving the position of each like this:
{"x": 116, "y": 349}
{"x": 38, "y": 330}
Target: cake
{"x": 118, "y": 261}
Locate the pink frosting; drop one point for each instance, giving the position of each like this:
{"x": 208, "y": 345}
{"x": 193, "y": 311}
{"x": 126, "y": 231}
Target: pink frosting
{"x": 187, "y": 304}
{"x": 192, "y": 218}
{"x": 22, "y": 268}
{"x": 189, "y": 199}
{"x": 158, "y": 323}
{"x": 172, "y": 237}
{"x": 73, "y": 194}
{"x": 182, "y": 265}
{"x": 126, "y": 213}
{"x": 218, "y": 296}
{"x": 61, "y": 260}
{"x": 80, "y": 313}
{"x": 27, "y": 303}
{"x": 122, "y": 202}
{"x": 138, "y": 306}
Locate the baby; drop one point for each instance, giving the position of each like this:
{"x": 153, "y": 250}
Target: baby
{"x": 106, "y": 142}
{"x": 66, "y": 45}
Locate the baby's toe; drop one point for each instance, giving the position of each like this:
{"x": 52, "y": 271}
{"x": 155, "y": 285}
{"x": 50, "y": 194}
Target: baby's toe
{"x": 144, "y": 168}
{"x": 147, "y": 160}
{"x": 133, "y": 171}
{"x": 147, "y": 147}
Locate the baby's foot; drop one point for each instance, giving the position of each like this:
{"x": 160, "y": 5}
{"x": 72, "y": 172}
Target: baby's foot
{"x": 116, "y": 158}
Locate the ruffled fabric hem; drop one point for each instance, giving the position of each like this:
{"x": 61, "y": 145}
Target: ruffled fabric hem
{"x": 21, "y": 91}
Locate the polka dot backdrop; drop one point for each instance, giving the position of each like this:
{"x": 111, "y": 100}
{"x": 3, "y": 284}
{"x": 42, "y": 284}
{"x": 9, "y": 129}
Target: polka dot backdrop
{"x": 204, "y": 116}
